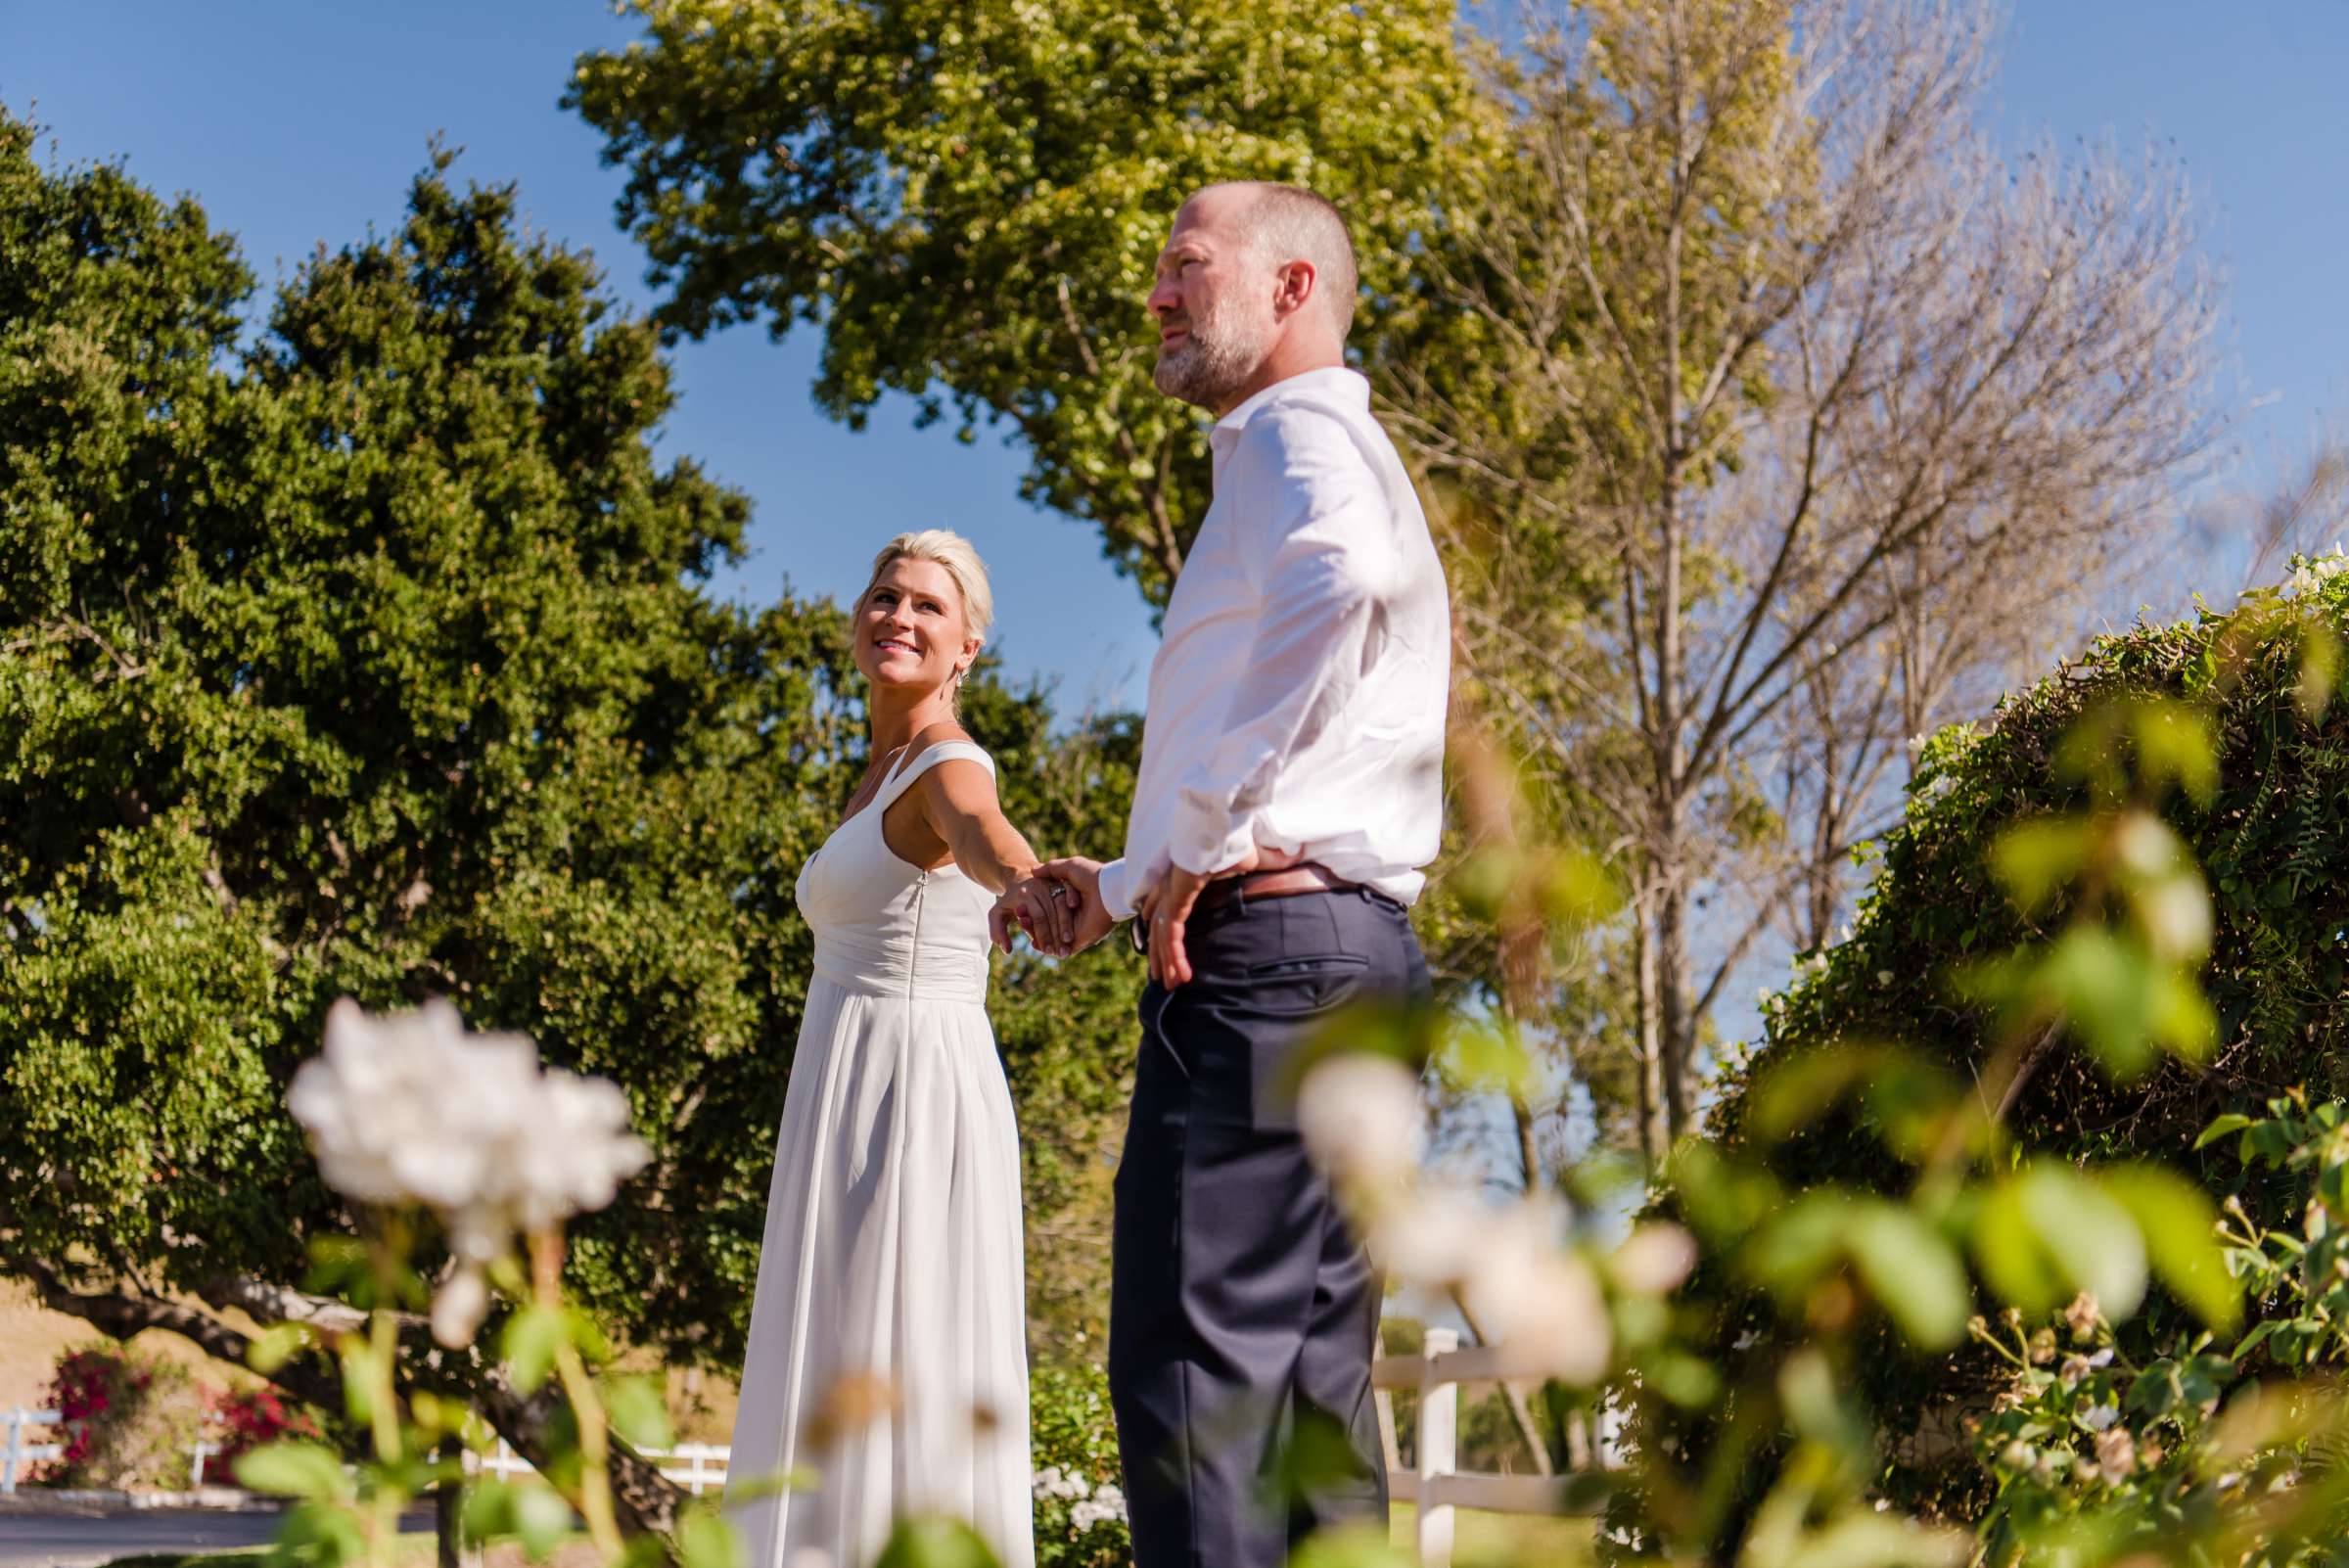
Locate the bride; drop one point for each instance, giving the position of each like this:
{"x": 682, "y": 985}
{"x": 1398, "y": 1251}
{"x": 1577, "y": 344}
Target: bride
{"x": 887, "y": 1365}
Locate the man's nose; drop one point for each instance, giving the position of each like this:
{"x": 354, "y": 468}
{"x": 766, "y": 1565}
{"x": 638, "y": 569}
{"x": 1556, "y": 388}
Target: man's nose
{"x": 1165, "y": 298}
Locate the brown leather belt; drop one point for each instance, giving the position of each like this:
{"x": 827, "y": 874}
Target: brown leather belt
{"x": 1280, "y": 882}
{"x": 1284, "y": 881}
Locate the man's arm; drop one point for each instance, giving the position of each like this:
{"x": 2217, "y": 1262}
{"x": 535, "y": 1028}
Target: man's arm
{"x": 1318, "y": 548}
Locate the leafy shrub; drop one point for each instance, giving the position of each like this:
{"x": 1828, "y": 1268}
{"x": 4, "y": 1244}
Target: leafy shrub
{"x": 2102, "y": 1444}
{"x": 1080, "y": 1507}
{"x": 131, "y": 1419}
{"x": 1950, "y": 898}
{"x": 252, "y": 1418}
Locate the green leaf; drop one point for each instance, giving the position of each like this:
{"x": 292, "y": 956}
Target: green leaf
{"x": 639, "y": 1414}
{"x": 2231, "y": 1122}
{"x": 2047, "y": 1233}
{"x": 294, "y": 1470}
{"x": 2182, "y": 1017}
{"x": 1913, "y": 1270}
{"x": 2176, "y": 742}
{"x": 277, "y": 1345}
{"x": 320, "y": 1535}
{"x": 2179, "y": 1226}
{"x": 2008, "y": 1249}
{"x": 2103, "y": 988}
{"x": 529, "y": 1341}
{"x": 2092, "y": 1238}
{"x": 932, "y": 1542}
{"x": 2034, "y": 859}
{"x": 359, "y": 1367}
{"x": 706, "y": 1541}
{"x": 488, "y": 1512}
{"x": 542, "y": 1520}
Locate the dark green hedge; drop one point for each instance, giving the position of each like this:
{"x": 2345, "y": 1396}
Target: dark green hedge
{"x": 2274, "y": 843}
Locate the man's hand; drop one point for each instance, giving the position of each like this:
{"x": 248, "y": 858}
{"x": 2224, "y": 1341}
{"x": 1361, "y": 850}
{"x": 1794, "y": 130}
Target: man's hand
{"x": 1077, "y": 896}
{"x": 1167, "y": 906}
{"x": 1058, "y": 904}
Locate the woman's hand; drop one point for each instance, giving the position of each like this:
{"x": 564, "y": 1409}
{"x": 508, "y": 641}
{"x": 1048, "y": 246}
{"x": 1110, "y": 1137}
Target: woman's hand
{"x": 1041, "y": 907}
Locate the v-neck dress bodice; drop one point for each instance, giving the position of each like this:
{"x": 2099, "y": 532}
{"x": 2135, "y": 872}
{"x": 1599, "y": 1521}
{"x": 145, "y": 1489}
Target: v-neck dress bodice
{"x": 893, "y": 1244}
{"x": 887, "y": 928}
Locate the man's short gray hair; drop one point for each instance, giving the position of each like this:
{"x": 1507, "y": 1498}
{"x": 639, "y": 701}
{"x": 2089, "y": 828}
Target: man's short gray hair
{"x": 1290, "y": 223}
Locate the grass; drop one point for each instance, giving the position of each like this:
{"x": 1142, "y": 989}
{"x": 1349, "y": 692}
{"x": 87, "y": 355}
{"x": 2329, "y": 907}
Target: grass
{"x": 1502, "y": 1538}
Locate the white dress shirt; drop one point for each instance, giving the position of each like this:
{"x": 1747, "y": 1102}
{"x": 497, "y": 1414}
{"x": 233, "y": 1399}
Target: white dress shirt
{"x": 1297, "y": 699}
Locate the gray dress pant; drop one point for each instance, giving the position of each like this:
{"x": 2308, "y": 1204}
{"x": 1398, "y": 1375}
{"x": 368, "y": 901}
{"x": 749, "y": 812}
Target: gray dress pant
{"x": 1242, "y": 1310}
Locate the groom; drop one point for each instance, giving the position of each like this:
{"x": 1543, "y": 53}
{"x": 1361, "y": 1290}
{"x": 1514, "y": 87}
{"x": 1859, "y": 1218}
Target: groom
{"x": 1290, "y": 791}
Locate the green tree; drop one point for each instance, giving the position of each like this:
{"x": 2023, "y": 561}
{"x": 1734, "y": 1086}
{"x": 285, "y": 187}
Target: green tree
{"x": 968, "y": 198}
{"x": 374, "y": 657}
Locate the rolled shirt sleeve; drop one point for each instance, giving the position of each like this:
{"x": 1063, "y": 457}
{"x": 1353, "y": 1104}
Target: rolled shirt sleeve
{"x": 1119, "y": 895}
{"x": 1317, "y": 553}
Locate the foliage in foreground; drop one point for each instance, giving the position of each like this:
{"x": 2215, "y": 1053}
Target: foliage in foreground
{"x": 1760, "y": 1428}
{"x": 1986, "y": 860}
{"x": 2103, "y": 1441}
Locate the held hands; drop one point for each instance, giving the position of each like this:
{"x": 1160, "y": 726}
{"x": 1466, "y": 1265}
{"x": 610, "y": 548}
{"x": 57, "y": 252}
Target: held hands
{"x": 1057, "y": 903}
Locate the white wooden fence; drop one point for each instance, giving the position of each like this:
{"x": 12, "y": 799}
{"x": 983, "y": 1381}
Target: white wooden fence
{"x": 695, "y": 1466}
{"x": 699, "y": 1466}
{"x": 14, "y": 1451}
{"x": 1433, "y": 1480}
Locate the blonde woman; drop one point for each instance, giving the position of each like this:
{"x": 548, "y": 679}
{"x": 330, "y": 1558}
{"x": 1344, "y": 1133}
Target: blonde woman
{"x": 887, "y": 1361}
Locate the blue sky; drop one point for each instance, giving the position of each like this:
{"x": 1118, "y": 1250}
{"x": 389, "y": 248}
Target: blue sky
{"x": 296, "y": 123}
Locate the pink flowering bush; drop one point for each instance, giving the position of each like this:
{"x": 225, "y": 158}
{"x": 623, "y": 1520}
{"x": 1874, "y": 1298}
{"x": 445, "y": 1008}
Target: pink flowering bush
{"x": 252, "y": 1418}
{"x": 130, "y": 1420}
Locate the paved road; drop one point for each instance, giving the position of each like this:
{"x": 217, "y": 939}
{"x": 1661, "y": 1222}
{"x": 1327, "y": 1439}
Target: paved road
{"x": 84, "y": 1541}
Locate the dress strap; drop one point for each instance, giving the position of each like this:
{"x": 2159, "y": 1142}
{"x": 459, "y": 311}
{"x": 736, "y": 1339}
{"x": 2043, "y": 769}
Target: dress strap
{"x": 910, "y": 769}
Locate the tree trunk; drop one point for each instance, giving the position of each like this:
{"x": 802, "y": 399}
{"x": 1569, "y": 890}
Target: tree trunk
{"x": 1654, "y": 1136}
{"x": 448, "y": 1509}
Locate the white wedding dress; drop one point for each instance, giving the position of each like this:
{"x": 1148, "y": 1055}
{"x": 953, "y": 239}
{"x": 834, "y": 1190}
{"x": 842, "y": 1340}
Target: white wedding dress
{"x": 892, "y": 1247}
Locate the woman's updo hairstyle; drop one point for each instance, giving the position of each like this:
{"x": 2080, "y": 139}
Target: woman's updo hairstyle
{"x": 950, "y": 550}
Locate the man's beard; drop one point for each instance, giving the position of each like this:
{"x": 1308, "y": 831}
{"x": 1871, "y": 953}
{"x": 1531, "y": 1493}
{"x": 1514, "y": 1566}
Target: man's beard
{"x": 1214, "y": 362}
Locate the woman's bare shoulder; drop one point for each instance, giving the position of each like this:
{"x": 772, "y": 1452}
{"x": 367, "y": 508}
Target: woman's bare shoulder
{"x": 938, "y": 734}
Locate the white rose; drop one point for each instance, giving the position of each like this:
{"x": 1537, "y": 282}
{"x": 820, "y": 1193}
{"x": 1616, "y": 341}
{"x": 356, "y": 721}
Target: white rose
{"x": 1429, "y": 1236}
{"x": 1362, "y": 1118}
{"x": 1654, "y": 1260}
{"x": 1532, "y": 1294}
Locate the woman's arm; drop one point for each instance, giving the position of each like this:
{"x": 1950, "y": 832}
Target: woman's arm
{"x": 958, "y": 804}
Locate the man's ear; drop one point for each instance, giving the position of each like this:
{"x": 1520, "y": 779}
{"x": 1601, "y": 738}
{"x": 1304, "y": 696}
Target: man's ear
{"x": 1294, "y": 288}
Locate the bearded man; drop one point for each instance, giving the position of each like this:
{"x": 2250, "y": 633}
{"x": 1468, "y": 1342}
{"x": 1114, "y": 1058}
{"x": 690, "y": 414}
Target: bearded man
{"x": 1290, "y": 793}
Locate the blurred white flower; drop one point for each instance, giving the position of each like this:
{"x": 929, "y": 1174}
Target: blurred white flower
{"x": 411, "y": 1109}
{"x": 1531, "y": 1292}
{"x": 1106, "y": 1507}
{"x": 1654, "y": 1260}
{"x": 2176, "y": 911}
{"x": 460, "y": 1306}
{"x": 2116, "y": 1455}
{"x": 1362, "y": 1118}
{"x": 1053, "y": 1482}
{"x": 2100, "y": 1418}
{"x": 1429, "y": 1234}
